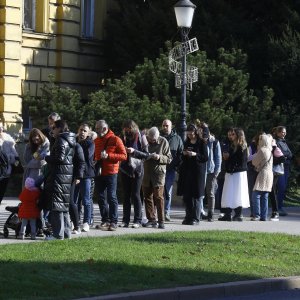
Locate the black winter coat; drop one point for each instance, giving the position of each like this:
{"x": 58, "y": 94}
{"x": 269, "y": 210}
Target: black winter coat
{"x": 192, "y": 171}
{"x": 60, "y": 166}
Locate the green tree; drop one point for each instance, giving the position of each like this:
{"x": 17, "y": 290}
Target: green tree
{"x": 65, "y": 101}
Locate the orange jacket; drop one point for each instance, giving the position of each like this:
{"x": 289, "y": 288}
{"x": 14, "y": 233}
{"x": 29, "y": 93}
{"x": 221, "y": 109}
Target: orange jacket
{"x": 115, "y": 149}
{"x": 28, "y": 208}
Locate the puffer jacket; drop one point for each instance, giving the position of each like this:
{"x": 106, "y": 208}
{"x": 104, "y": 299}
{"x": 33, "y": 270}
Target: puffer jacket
{"x": 60, "y": 167}
{"x": 115, "y": 149}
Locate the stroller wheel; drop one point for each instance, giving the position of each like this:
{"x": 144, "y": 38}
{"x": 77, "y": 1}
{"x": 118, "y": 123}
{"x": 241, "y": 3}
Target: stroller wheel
{"x": 5, "y": 232}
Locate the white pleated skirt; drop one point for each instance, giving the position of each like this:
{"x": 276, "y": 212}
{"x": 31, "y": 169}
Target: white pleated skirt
{"x": 235, "y": 190}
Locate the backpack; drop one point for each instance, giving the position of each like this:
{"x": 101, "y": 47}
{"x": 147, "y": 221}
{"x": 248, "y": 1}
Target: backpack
{"x": 4, "y": 164}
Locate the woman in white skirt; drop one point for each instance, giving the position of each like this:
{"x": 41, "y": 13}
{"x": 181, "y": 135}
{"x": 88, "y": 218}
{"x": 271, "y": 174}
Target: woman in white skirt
{"x": 235, "y": 191}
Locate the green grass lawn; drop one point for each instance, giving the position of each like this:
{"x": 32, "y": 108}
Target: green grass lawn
{"x": 95, "y": 266}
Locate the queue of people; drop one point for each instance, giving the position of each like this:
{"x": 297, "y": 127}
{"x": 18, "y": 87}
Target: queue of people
{"x": 62, "y": 168}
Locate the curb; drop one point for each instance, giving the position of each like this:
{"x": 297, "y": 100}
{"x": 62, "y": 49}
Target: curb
{"x": 211, "y": 291}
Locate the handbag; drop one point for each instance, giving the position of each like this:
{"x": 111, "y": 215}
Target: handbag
{"x": 98, "y": 168}
{"x": 17, "y": 167}
{"x": 278, "y": 169}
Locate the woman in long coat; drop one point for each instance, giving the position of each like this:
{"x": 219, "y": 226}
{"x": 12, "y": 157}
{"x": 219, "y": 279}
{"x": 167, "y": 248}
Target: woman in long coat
{"x": 59, "y": 179}
{"x": 190, "y": 181}
{"x": 263, "y": 163}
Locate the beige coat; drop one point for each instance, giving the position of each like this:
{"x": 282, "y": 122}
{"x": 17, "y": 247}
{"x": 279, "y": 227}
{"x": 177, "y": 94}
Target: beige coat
{"x": 263, "y": 163}
{"x": 155, "y": 170}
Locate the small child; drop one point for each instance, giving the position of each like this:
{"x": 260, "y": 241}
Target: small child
{"x": 28, "y": 210}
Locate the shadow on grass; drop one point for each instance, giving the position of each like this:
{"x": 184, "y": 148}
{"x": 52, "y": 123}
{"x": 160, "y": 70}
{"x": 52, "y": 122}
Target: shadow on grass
{"x": 37, "y": 280}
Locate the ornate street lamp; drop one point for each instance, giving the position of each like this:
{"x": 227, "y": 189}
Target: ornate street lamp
{"x": 184, "y": 11}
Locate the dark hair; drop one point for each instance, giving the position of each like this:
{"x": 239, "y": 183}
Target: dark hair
{"x": 34, "y": 132}
{"x": 191, "y": 127}
{"x": 62, "y": 125}
{"x": 132, "y": 125}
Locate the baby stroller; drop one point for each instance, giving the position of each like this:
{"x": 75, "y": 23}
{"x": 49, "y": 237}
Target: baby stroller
{"x": 13, "y": 222}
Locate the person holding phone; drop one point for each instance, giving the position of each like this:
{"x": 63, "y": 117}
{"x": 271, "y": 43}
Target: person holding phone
{"x": 190, "y": 181}
{"x": 235, "y": 191}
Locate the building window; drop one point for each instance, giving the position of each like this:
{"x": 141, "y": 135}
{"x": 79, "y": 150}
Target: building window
{"x": 87, "y": 18}
{"x": 29, "y": 14}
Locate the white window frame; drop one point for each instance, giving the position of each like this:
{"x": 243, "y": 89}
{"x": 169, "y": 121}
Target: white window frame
{"x": 33, "y": 14}
{"x": 87, "y": 18}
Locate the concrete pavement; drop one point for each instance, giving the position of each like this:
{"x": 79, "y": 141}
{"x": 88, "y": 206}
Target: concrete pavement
{"x": 286, "y": 288}
{"x": 289, "y": 224}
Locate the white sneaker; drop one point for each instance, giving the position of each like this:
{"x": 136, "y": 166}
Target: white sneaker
{"x": 76, "y": 231}
{"x": 85, "y": 227}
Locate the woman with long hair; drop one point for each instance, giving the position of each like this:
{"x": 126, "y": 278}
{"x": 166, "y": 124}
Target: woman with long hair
{"x": 35, "y": 152}
{"x": 235, "y": 191}
{"x": 190, "y": 181}
{"x": 132, "y": 172}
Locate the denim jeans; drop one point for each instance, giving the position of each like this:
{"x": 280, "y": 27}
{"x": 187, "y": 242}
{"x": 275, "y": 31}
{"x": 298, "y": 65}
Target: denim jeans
{"x": 168, "y": 189}
{"x": 84, "y": 189}
{"x": 282, "y": 185}
{"x": 260, "y": 204}
{"x": 60, "y": 222}
{"x": 32, "y": 226}
{"x": 108, "y": 207}
{"x": 211, "y": 188}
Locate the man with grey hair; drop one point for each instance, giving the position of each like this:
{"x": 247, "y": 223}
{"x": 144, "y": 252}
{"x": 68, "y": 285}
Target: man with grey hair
{"x": 109, "y": 151}
{"x": 154, "y": 177}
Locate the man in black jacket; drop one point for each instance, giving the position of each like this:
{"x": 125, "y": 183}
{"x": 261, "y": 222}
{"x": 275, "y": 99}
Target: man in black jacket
{"x": 84, "y": 186}
{"x": 176, "y": 147}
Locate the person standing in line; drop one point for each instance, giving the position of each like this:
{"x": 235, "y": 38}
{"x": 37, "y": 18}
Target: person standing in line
{"x": 263, "y": 163}
{"x": 28, "y": 210}
{"x": 7, "y": 146}
{"x": 59, "y": 179}
{"x": 78, "y": 172}
{"x": 282, "y": 182}
{"x": 109, "y": 151}
{"x": 190, "y": 181}
{"x": 132, "y": 172}
{"x": 176, "y": 147}
{"x": 213, "y": 170}
{"x": 235, "y": 191}
{"x": 84, "y": 187}
{"x": 35, "y": 152}
{"x": 48, "y": 130}
{"x": 251, "y": 172}
{"x": 154, "y": 178}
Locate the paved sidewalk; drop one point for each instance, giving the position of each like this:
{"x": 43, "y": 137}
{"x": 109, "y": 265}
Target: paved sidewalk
{"x": 289, "y": 224}
{"x": 266, "y": 288}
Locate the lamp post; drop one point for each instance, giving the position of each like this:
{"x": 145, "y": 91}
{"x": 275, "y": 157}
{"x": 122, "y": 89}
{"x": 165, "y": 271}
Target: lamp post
{"x": 184, "y": 11}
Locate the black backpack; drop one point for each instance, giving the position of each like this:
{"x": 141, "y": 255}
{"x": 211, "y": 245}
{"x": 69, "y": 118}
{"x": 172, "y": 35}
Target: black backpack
{"x": 4, "y": 164}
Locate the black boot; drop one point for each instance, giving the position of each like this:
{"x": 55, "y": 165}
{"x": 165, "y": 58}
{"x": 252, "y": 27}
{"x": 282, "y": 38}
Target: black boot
{"x": 210, "y": 217}
{"x": 227, "y": 215}
{"x": 238, "y": 214}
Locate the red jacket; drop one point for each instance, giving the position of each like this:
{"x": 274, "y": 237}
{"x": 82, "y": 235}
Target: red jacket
{"x": 28, "y": 208}
{"x": 115, "y": 150}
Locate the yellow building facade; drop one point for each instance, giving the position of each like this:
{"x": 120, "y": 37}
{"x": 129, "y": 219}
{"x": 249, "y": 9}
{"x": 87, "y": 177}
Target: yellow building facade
{"x": 38, "y": 38}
